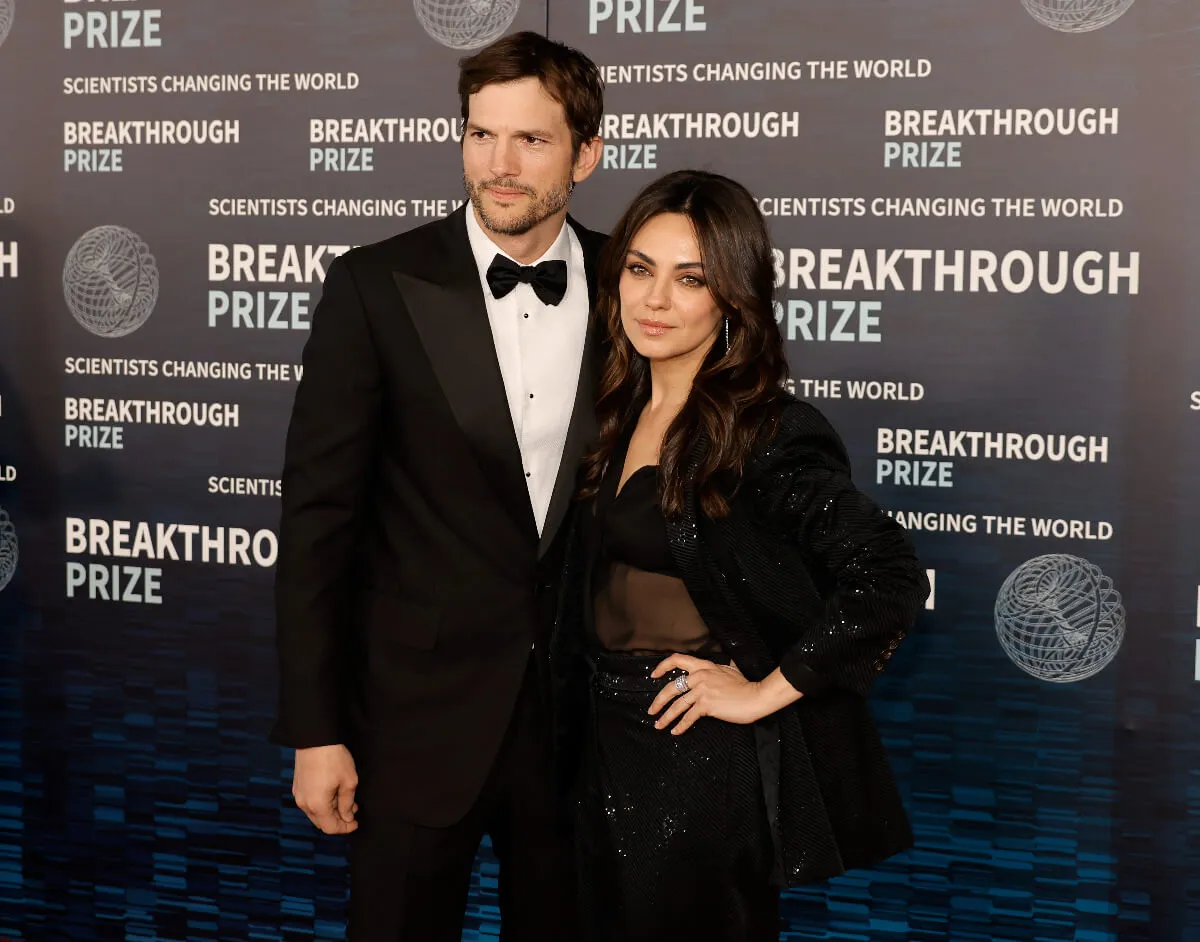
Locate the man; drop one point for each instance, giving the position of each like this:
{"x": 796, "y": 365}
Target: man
{"x": 430, "y": 462}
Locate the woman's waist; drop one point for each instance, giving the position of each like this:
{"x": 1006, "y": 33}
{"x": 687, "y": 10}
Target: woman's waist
{"x": 632, "y": 671}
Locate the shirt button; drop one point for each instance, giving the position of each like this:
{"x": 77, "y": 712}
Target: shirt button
{"x": 528, "y": 474}
{"x": 526, "y": 315}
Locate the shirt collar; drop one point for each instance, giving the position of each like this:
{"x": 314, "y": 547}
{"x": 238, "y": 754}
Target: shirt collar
{"x": 484, "y": 249}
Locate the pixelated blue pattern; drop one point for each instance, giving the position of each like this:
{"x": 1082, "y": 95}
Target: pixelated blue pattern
{"x": 140, "y": 800}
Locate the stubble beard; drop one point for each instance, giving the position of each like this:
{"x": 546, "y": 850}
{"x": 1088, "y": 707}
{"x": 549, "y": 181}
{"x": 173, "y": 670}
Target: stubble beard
{"x": 541, "y": 208}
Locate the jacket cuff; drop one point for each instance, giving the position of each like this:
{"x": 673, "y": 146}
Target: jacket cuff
{"x": 304, "y": 732}
{"x": 802, "y": 677}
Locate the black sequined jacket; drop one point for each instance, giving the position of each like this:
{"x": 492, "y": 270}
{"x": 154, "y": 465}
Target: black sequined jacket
{"x": 808, "y": 575}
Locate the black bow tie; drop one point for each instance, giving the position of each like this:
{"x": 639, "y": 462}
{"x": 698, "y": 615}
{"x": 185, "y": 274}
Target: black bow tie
{"x": 548, "y": 279}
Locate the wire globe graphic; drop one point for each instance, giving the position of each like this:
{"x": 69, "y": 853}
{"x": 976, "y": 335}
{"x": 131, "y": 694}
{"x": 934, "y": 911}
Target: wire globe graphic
{"x": 1059, "y": 618}
{"x": 1076, "y": 16}
{"x": 7, "y": 11}
{"x": 8, "y": 549}
{"x": 466, "y": 24}
{"x": 110, "y": 281}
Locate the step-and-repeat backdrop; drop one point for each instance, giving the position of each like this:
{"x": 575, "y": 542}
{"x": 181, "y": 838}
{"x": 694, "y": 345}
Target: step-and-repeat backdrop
{"x": 986, "y": 230}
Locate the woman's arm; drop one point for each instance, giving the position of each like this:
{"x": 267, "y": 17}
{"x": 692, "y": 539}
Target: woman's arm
{"x": 877, "y": 584}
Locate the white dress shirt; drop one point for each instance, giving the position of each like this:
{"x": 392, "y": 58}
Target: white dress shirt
{"x": 540, "y": 349}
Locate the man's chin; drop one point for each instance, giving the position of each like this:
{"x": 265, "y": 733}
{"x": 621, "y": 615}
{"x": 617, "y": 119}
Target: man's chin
{"x": 515, "y": 227}
{"x": 506, "y": 222}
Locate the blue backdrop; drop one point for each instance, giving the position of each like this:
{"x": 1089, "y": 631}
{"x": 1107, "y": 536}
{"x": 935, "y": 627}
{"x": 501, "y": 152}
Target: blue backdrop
{"x": 986, "y": 220}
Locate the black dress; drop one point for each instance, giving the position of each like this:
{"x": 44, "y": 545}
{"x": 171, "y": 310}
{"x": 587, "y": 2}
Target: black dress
{"x": 674, "y": 836}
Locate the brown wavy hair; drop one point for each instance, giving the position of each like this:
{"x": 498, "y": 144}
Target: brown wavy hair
{"x": 567, "y": 75}
{"x": 734, "y": 397}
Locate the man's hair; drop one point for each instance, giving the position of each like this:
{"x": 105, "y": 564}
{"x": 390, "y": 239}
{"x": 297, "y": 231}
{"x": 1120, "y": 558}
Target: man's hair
{"x": 567, "y": 75}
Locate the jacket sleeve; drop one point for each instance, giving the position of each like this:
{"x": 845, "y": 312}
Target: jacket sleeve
{"x": 331, "y": 443}
{"x": 876, "y": 584}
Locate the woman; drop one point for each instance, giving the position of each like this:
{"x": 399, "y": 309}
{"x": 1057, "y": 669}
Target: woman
{"x": 739, "y": 595}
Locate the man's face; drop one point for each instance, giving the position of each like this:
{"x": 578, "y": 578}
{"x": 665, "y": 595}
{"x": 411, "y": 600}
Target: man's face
{"x": 518, "y": 162}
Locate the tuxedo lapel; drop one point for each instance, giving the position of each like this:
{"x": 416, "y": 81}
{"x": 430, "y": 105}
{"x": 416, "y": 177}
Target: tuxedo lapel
{"x": 582, "y": 429}
{"x": 444, "y": 298}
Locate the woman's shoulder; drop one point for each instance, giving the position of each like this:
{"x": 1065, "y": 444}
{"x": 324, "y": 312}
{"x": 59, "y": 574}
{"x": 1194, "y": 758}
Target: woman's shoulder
{"x": 799, "y": 436}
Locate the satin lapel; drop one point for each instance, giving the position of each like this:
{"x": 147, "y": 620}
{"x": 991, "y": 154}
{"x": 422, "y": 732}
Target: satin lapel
{"x": 445, "y": 301}
{"x": 582, "y": 430}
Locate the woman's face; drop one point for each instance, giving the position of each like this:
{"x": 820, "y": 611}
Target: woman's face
{"x": 667, "y": 310}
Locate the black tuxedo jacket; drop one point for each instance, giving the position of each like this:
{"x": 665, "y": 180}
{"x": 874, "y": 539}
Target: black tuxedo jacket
{"x": 411, "y": 582}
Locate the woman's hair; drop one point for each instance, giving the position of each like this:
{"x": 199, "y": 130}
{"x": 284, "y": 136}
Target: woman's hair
{"x": 567, "y": 75}
{"x": 732, "y": 397}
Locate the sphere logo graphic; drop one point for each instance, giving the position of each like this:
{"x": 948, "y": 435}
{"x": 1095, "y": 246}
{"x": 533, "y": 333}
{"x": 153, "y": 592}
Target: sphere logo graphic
{"x": 466, "y": 24}
{"x": 110, "y": 281}
{"x": 8, "y": 550}
{"x": 1076, "y": 16}
{"x": 1059, "y": 618}
{"x": 7, "y": 11}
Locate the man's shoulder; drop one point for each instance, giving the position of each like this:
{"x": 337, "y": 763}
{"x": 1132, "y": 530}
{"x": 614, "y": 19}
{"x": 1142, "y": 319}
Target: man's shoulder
{"x": 401, "y": 250}
{"x": 590, "y": 239}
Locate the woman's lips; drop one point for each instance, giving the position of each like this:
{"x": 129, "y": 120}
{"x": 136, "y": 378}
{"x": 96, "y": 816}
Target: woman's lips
{"x": 653, "y": 328}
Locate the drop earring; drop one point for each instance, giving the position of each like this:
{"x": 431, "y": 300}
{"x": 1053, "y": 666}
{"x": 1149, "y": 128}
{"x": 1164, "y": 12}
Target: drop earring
{"x": 727, "y": 333}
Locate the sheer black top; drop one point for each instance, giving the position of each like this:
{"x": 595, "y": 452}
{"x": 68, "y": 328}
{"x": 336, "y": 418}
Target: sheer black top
{"x": 640, "y": 605}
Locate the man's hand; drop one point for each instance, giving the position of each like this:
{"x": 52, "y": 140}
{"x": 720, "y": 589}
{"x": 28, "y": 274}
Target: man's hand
{"x": 323, "y": 786}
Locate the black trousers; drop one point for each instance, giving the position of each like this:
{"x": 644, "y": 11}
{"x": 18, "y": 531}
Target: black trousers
{"x": 409, "y": 883}
{"x": 674, "y": 840}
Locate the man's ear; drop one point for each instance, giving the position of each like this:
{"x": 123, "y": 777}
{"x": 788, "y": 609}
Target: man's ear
{"x": 588, "y": 159}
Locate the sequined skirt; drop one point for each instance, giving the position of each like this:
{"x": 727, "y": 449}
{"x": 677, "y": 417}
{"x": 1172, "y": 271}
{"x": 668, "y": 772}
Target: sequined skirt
{"x": 673, "y": 834}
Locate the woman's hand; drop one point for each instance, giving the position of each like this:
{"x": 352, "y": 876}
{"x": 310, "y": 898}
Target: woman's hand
{"x": 719, "y": 691}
